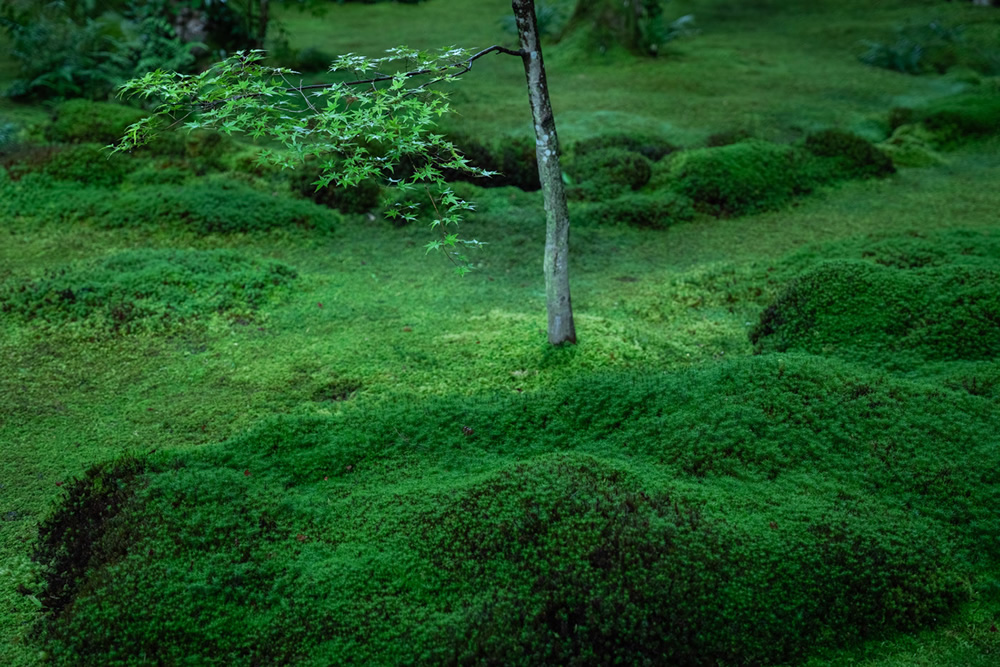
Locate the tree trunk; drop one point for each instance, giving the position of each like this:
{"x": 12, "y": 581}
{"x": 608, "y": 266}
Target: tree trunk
{"x": 557, "y": 301}
{"x": 262, "y": 21}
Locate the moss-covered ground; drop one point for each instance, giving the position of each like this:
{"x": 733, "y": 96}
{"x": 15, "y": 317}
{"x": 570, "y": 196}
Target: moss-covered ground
{"x": 775, "y": 443}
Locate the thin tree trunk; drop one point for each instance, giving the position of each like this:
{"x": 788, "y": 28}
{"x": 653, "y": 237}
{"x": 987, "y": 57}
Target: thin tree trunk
{"x": 265, "y": 17}
{"x": 556, "y": 265}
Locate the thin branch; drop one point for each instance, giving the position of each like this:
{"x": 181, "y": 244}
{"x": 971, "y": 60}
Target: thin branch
{"x": 464, "y": 65}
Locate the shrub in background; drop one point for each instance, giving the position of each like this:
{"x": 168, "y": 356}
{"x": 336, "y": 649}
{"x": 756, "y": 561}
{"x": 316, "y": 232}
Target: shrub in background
{"x": 147, "y": 290}
{"x": 63, "y": 53}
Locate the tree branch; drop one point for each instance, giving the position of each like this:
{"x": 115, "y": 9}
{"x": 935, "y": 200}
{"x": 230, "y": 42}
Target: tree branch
{"x": 464, "y": 65}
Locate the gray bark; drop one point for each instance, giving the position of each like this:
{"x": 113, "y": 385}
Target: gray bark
{"x": 556, "y": 266}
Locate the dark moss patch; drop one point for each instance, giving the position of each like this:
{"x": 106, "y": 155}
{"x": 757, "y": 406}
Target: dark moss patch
{"x": 849, "y": 156}
{"x": 78, "y": 533}
{"x": 961, "y": 118}
{"x": 608, "y": 172}
{"x": 147, "y": 289}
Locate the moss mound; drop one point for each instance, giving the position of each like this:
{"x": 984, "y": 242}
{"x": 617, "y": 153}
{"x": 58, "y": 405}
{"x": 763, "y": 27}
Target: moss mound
{"x": 605, "y": 173}
{"x": 958, "y": 119}
{"x": 739, "y": 179}
{"x": 147, "y": 290}
{"x": 212, "y": 208}
{"x": 750, "y": 513}
{"x": 87, "y": 164}
{"x": 849, "y": 156}
{"x": 84, "y": 121}
{"x": 878, "y": 312}
{"x": 653, "y": 211}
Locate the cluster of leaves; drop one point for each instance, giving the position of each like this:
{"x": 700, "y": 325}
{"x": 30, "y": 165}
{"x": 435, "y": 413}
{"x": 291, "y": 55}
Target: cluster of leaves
{"x": 62, "y": 54}
{"x": 357, "y": 130}
{"x": 744, "y": 514}
{"x": 509, "y": 161}
{"x": 143, "y": 290}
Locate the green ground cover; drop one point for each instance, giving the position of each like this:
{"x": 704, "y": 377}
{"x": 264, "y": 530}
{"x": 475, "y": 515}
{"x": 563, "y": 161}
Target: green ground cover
{"x": 775, "y": 443}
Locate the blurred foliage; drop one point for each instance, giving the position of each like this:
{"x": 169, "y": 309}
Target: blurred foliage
{"x": 64, "y": 51}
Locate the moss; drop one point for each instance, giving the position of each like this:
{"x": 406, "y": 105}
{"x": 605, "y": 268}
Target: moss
{"x": 912, "y": 146}
{"x": 223, "y": 208}
{"x": 84, "y": 121}
{"x": 866, "y": 311}
{"x": 654, "y": 211}
{"x": 512, "y": 158}
{"x": 607, "y": 172}
{"x": 849, "y": 156}
{"x": 961, "y": 118}
{"x": 747, "y": 513}
{"x": 146, "y": 290}
{"x": 743, "y": 178}
{"x": 651, "y": 147}
{"x": 88, "y": 164}
{"x": 361, "y": 198}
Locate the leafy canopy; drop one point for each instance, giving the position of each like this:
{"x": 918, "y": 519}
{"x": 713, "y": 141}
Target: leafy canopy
{"x": 375, "y": 122}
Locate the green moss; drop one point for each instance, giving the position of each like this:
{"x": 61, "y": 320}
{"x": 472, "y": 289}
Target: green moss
{"x": 849, "y": 156}
{"x": 650, "y": 146}
{"x": 88, "y": 164}
{"x": 361, "y": 198}
{"x": 605, "y": 173}
{"x": 748, "y": 513}
{"x": 146, "y": 290}
{"x": 862, "y": 310}
{"x": 221, "y": 208}
{"x": 912, "y": 146}
{"x": 655, "y": 211}
{"x": 740, "y": 179}
{"x": 84, "y": 121}
{"x": 958, "y": 119}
